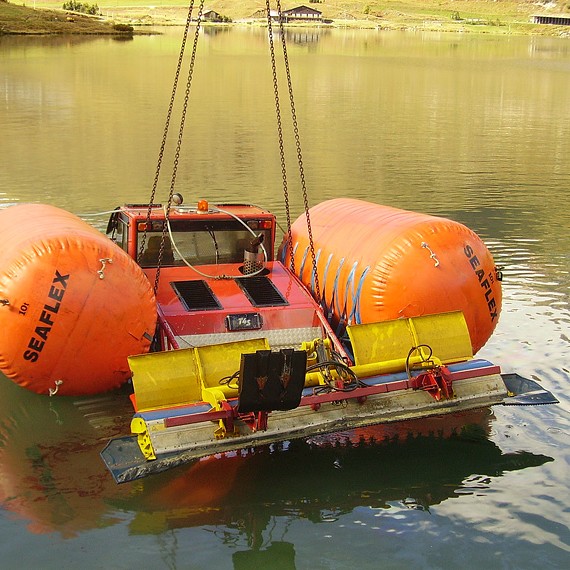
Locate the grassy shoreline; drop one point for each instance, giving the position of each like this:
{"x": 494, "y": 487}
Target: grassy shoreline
{"x": 507, "y": 17}
{"x": 20, "y": 20}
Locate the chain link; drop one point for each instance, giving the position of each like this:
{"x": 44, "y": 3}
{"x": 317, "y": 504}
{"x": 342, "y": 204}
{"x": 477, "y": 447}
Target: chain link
{"x": 179, "y": 143}
{"x": 166, "y": 128}
{"x": 299, "y": 160}
{"x": 280, "y": 132}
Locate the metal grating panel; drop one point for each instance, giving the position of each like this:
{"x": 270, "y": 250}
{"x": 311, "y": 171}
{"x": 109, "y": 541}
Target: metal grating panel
{"x": 261, "y": 291}
{"x": 277, "y": 338}
{"x": 196, "y": 295}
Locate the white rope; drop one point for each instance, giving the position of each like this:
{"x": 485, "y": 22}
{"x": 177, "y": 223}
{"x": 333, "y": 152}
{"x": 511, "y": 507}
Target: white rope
{"x": 95, "y": 214}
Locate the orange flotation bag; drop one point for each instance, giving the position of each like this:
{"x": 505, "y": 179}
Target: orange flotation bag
{"x": 376, "y": 263}
{"x": 73, "y": 305}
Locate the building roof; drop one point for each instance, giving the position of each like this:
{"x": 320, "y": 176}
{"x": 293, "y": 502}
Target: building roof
{"x": 302, "y": 8}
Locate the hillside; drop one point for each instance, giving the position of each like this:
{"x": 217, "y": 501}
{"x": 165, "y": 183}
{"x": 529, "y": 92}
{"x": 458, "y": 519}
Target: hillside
{"x": 402, "y": 10}
{"x": 477, "y": 16}
{"x": 473, "y": 16}
{"x": 15, "y": 19}
{"x": 490, "y": 16}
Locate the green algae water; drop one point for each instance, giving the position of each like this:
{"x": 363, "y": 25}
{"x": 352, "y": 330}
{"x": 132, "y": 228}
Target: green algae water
{"x": 475, "y": 128}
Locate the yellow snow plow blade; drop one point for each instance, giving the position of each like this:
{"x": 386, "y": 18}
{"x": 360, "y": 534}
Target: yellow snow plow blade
{"x": 188, "y": 375}
{"x": 384, "y": 347}
{"x": 163, "y": 379}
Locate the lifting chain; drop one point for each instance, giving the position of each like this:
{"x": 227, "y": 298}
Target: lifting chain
{"x": 297, "y": 141}
{"x": 280, "y": 132}
{"x": 180, "y": 130}
{"x": 280, "y": 135}
{"x": 166, "y": 128}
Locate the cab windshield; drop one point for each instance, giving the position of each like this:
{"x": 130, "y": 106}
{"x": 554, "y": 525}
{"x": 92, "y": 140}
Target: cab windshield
{"x": 205, "y": 244}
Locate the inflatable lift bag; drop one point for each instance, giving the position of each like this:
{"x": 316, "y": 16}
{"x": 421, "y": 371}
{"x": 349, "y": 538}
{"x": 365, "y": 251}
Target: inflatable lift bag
{"x": 377, "y": 263}
{"x": 73, "y": 305}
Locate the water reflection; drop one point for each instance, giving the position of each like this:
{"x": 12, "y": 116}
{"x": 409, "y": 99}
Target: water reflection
{"x": 20, "y": 46}
{"x": 51, "y": 474}
{"x": 213, "y": 31}
{"x": 305, "y": 37}
{"x": 280, "y": 552}
{"x": 417, "y": 464}
{"x": 247, "y": 501}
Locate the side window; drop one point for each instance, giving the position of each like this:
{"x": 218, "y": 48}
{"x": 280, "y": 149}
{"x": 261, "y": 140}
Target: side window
{"x": 122, "y": 235}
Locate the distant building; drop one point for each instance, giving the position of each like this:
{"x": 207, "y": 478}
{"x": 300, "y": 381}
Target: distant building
{"x": 211, "y": 16}
{"x": 299, "y": 14}
{"x": 554, "y": 20}
{"x": 302, "y": 13}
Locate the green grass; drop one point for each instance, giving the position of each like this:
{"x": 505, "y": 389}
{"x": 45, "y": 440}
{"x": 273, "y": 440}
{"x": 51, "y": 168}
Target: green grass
{"x": 505, "y": 16}
{"x": 487, "y": 9}
{"x": 15, "y": 19}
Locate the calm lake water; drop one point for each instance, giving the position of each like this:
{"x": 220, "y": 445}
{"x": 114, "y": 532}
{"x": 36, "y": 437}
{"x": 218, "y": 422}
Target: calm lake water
{"x": 472, "y": 128}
